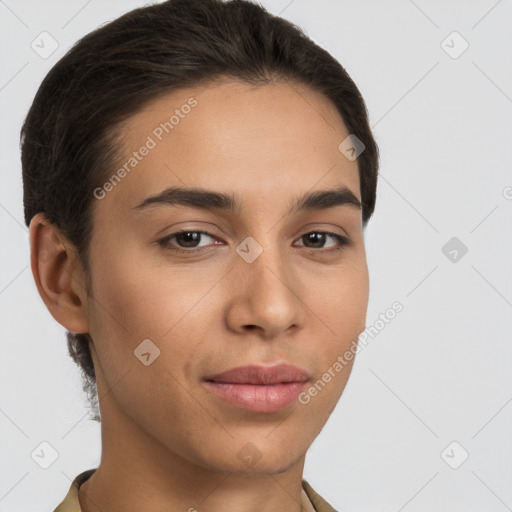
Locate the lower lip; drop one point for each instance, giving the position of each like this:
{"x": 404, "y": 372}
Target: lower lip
{"x": 258, "y": 398}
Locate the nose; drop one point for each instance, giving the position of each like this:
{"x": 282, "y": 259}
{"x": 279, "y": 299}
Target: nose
{"x": 265, "y": 296}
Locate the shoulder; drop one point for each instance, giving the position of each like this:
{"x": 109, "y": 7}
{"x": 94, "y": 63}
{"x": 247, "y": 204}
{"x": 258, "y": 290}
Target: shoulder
{"x": 70, "y": 502}
{"x": 318, "y": 502}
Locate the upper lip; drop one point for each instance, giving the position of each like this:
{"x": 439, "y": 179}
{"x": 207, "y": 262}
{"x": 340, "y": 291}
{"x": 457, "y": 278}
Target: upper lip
{"x": 257, "y": 374}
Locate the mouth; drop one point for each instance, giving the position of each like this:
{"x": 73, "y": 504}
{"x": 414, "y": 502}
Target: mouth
{"x": 258, "y": 388}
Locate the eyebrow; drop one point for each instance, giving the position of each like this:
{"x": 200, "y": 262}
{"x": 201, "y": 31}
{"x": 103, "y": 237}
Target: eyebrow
{"x": 212, "y": 200}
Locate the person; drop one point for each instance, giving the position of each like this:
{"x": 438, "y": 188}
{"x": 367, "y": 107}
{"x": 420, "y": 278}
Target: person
{"x": 197, "y": 178}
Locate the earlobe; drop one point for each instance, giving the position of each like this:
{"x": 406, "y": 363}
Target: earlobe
{"x": 58, "y": 274}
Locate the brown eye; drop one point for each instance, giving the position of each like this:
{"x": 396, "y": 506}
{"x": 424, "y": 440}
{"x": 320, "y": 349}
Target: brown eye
{"x": 188, "y": 238}
{"x": 317, "y": 239}
{"x": 184, "y": 239}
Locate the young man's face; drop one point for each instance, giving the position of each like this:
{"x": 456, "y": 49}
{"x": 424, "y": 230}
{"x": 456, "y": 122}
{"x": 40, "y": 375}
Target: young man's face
{"x": 212, "y": 302}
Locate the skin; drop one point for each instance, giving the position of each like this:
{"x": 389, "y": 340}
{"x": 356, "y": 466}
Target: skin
{"x": 167, "y": 443}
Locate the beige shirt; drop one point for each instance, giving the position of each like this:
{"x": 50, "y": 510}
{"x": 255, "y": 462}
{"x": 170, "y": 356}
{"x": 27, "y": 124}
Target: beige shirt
{"x": 311, "y": 501}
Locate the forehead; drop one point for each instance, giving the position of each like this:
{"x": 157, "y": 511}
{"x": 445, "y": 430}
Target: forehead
{"x": 277, "y": 138}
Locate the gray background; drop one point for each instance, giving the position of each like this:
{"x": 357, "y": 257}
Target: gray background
{"x": 439, "y": 372}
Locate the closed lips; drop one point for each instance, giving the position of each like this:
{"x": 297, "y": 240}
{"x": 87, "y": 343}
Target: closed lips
{"x": 260, "y": 375}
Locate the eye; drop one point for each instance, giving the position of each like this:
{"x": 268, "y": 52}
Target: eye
{"x": 319, "y": 237}
{"x": 184, "y": 238}
{"x": 187, "y": 241}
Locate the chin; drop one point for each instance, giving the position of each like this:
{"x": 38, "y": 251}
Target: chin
{"x": 252, "y": 462}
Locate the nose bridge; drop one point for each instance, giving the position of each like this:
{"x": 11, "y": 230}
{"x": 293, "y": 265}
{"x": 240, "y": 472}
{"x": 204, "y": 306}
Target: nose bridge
{"x": 264, "y": 259}
{"x": 267, "y": 290}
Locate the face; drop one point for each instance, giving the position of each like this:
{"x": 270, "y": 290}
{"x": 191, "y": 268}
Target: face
{"x": 260, "y": 282}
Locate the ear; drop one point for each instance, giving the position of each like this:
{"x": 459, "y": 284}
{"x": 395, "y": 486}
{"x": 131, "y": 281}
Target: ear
{"x": 58, "y": 274}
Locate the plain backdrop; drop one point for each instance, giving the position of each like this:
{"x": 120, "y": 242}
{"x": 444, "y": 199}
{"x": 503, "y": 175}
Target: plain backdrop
{"x": 426, "y": 418}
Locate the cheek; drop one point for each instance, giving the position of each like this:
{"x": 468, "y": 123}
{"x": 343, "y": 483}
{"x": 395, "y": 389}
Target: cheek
{"x": 135, "y": 300}
{"x": 133, "y": 303}
{"x": 339, "y": 310}
{"x": 140, "y": 296}
{"x": 340, "y": 299}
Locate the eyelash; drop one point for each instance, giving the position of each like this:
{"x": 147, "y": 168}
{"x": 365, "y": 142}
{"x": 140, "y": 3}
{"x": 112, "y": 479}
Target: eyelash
{"x": 164, "y": 242}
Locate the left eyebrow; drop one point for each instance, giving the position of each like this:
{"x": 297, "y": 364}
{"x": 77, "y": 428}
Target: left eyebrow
{"x": 212, "y": 200}
{"x": 324, "y": 199}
